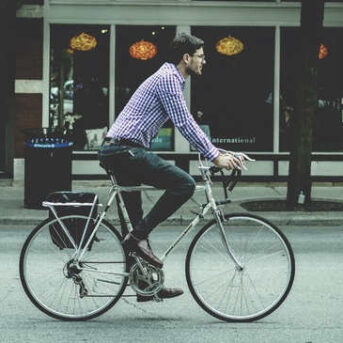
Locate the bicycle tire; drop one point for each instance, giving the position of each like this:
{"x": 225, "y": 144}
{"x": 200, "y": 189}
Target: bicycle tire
{"x": 47, "y": 280}
{"x": 209, "y": 267}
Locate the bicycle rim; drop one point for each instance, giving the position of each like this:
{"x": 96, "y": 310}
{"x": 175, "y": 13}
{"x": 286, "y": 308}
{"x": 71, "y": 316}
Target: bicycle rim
{"x": 56, "y": 289}
{"x": 231, "y": 294}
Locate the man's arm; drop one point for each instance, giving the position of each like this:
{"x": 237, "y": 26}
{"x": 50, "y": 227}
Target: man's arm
{"x": 173, "y": 101}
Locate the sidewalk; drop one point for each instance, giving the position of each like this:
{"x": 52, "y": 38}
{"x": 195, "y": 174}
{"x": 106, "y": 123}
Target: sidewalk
{"x": 12, "y": 209}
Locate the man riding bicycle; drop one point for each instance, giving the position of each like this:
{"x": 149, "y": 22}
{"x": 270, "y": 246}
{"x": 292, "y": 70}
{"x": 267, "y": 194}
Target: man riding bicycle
{"x": 125, "y": 149}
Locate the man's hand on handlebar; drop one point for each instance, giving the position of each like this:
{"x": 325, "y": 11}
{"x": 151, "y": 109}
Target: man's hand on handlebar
{"x": 232, "y": 160}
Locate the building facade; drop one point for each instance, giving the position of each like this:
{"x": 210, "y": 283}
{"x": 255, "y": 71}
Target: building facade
{"x": 78, "y": 62}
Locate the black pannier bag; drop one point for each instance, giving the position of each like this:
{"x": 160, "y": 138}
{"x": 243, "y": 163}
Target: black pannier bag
{"x": 75, "y": 226}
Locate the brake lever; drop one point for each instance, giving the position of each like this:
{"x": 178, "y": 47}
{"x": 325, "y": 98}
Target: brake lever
{"x": 236, "y": 173}
{"x": 224, "y": 184}
{"x": 232, "y": 180}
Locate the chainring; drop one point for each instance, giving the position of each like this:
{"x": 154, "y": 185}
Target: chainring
{"x": 146, "y": 283}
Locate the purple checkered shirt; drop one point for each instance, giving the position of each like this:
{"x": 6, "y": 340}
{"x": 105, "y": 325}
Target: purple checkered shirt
{"x": 159, "y": 98}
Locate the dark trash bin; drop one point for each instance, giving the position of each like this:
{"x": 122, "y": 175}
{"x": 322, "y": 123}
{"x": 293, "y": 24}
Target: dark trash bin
{"x": 47, "y": 164}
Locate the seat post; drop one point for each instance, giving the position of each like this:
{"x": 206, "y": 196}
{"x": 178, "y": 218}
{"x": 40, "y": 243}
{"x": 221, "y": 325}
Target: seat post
{"x": 113, "y": 179}
{"x": 109, "y": 172}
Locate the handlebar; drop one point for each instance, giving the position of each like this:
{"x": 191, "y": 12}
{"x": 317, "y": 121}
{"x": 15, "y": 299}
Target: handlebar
{"x": 229, "y": 182}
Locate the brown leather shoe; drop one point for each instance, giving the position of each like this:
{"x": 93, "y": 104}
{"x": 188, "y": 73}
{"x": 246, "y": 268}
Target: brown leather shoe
{"x": 164, "y": 293}
{"x": 142, "y": 248}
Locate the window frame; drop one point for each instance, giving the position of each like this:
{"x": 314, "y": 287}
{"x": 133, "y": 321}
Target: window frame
{"x": 182, "y": 14}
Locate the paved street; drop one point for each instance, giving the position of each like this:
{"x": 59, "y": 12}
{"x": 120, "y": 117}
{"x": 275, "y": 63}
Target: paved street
{"x": 311, "y": 313}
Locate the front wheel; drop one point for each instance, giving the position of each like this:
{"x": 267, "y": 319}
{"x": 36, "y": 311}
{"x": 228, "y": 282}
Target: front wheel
{"x": 238, "y": 294}
{"x": 67, "y": 288}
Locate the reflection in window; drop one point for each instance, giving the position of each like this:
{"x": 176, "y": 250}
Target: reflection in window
{"x": 328, "y": 118}
{"x": 233, "y": 96}
{"x": 79, "y": 82}
{"x": 140, "y": 51}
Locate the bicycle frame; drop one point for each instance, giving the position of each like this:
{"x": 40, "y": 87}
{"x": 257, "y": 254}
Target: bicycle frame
{"x": 116, "y": 191}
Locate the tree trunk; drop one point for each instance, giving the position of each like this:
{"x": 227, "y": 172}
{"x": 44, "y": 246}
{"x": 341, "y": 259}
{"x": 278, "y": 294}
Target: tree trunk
{"x": 299, "y": 183}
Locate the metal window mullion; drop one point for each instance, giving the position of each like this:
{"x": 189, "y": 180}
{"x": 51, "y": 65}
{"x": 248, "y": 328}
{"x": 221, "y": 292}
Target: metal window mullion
{"x": 46, "y": 69}
{"x": 276, "y": 97}
{"x": 180, "y": 143}
{"x": 112, "y": 67}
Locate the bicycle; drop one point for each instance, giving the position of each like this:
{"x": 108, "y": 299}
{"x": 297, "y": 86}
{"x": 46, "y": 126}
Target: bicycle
{"x": 239, "y": 267}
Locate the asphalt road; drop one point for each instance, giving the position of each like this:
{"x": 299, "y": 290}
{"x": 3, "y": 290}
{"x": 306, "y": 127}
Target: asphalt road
{"x": 311, "y": 313}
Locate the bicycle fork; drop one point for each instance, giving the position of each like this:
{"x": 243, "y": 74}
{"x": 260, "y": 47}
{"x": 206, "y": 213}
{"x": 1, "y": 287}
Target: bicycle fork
{"x": 238, "y": 264}
{"x": 218, "y": 216}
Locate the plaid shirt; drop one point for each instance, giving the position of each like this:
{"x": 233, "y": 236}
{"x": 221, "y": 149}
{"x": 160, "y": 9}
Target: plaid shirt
{"x": 159, "y": 98}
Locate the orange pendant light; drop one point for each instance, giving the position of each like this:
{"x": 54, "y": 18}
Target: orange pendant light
{"x": 323, "y": 51}
{"x": 143, "y": 50}
{"x": 229, "y": 46}
{"x": 83, "y": 42}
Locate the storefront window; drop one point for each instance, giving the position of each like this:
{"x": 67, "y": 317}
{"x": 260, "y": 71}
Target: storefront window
{"x": 140, "y": 51}
{"x": 79, "y": 82}
{"x": 233, "y": 97}
{"x": 328, "y": 118}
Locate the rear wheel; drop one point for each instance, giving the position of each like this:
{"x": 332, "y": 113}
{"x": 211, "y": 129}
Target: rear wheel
{"x": 67, "y": 289}
{"x": 227, "y": 292}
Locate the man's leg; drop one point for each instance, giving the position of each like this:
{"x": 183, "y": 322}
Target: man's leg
{"x": 133, "y": 204}
{"x": 118, "y": 160}
{"x": 127, "y": 170}
{"x": 147, "y": 168}
{"x": 178, "y": 184}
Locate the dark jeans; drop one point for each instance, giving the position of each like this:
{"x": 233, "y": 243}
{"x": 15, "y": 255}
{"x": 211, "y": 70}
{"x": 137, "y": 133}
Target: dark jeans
{"x": 133, "y": 166}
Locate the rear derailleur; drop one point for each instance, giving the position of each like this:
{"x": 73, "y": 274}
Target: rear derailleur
{"x": 72, "y": 271}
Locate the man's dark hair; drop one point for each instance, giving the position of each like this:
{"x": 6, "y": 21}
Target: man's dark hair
{"x": 183, "y": 43}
